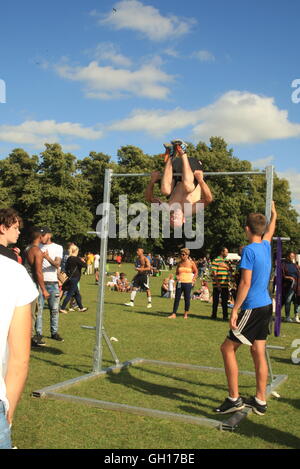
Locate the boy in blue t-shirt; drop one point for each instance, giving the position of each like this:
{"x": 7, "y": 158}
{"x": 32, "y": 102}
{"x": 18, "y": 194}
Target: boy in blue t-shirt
{"x": 251, "y": 326}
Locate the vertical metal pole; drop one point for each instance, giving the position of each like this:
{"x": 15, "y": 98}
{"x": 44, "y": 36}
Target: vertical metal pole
{"x": 270, "y": 186}
{"x": 102, "y": 269}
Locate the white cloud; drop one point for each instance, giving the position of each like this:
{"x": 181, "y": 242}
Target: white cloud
{"x": 203, "y": 56}
{"x": 107, "y": 82}
{"x": 156, "y": 122}
{"x": 238, "y": 117}
{"x": 36, "y": 133}
{"x": 263, "y": 162}
{"x": 293, "y": 177}
{"x": 107, "y": 51}
{"x": 243, "y": 117}
{"x": 146, "y": 19}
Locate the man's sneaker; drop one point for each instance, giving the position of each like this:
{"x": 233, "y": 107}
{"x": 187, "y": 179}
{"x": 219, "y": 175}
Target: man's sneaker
{"x": 288, "y": 320}
{"x": 297, "y": 319}
{"x": 63, "y": 311}
{"x": 57, "y": 337}
{"x": 149, "y": 305}
{"x": 256, "y": 407}
{"x": 179, "y": 142}
{"x": 37, "y": 341}
{"x": 169, "y": 151}
{"x": 82, "y": 310}
{"x": 230, "y": 406}
{"x": 129, "y": 304}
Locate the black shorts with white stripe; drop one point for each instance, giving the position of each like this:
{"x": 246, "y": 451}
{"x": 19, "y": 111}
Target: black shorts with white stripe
{"x": 141, "y": 280}
{"x": 253, "y": 324}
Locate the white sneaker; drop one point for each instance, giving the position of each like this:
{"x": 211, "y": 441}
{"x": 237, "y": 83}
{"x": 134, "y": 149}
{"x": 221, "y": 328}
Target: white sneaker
{"x": 149, "y": 305}
{"x": 297, "y": 319}
{"x": 129, "y": 304}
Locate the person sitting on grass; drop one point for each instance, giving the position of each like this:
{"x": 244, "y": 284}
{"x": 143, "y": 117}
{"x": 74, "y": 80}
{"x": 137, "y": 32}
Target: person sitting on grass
{"x": 122, "y": 284}
{"x": 203, "y": 293}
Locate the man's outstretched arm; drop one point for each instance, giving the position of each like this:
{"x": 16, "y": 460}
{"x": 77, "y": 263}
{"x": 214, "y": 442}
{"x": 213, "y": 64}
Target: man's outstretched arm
{"x": 206, "y": 195}
{"x": 155, "y": 176}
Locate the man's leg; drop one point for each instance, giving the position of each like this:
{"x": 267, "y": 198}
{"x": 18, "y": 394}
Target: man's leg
{"x": 225, "y": 297}
{"x": 53, "y": 302}
{"x": 258, "y": 352}
{"x": 288, "y": 302}
{"x": 228, "y": 350}
{"x": 167, "y": 178}
{"x": 187, "y": 174}
{"x": 5, "y": 433}
{"x": 39, "y": 318}
{"x": 216, "y": 294}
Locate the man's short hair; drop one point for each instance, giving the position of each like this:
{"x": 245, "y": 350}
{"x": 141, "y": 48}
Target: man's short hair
{"x": 9, "y": 216}
{"x": 45, "y": 229}
{"x": 35, "y": 233}
{"x": 257, "y": 223}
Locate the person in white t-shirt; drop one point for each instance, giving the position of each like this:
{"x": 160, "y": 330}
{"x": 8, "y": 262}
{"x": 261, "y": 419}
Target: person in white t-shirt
{"x": 17, "y": 293}
{"x": 53, "y": 254}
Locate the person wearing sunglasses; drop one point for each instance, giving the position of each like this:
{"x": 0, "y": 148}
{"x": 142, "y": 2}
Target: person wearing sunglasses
{"x": 186, "y": 274}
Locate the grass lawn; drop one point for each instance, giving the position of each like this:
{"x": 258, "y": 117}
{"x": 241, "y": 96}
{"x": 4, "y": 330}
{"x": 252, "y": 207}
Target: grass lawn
{"x": 46, "y": 423}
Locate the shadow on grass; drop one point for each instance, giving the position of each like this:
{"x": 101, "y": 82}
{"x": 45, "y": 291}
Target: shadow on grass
{"x": 189, "y": 402}
{"x": 258, "y": 429}
{"x": 81, "y": 370}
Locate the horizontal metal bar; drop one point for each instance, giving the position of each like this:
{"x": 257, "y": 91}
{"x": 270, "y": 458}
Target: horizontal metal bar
{"x": 188, "y": 366}
{"x": 220, "y": 173}
{"x": 137, "y": 410}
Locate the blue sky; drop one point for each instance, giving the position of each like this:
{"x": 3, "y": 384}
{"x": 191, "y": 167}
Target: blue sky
{"x": 97, "y": 75}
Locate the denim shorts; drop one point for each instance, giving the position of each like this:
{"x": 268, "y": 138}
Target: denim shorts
{"x": 5, "y": 434}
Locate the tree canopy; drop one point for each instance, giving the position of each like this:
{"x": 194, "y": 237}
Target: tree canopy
{"x": 56, "y": 189}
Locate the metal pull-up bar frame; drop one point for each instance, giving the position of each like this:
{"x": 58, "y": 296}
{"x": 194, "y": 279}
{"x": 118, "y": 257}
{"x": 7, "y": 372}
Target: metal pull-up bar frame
{"x": 109, "y": 175}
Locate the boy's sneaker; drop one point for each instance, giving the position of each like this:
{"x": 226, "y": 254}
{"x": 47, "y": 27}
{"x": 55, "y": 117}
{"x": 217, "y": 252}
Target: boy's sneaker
{"x": 297, "y": 319}
{"x": 37, "y": 341}
{"x": 149, "y": 305}
{"x": 129, "y": 304}
{"x": 82, "y": 310}
{"x": 288, "y": 320}
{"x": 57, "y": 337}
{"x": 63, "y": 311}
{"x": 230, "y": 406}
{"x": 256, "y": 407}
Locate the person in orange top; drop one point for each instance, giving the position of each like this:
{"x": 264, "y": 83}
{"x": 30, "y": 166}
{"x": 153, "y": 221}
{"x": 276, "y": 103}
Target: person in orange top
{"x": 186, "y": 274}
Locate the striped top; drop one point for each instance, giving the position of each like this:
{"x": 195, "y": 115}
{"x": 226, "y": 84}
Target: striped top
{"x": 221, "y": 272}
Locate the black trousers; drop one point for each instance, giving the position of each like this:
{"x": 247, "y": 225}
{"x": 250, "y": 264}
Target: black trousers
{"x": 224, "y": 298}
{"x": 186, "y": 289}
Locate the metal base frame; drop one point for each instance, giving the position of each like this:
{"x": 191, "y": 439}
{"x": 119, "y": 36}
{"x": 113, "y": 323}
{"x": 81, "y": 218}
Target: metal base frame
{"x": 230, "y": 424}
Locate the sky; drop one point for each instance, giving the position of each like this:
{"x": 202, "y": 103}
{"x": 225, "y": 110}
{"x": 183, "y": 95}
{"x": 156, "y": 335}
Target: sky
{"x": 100, "y": 74}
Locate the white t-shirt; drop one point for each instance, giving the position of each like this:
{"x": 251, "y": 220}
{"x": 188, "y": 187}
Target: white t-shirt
{"x": 16, "y": 289}
{"x": 171, "y": 284}
{"x": 96, "y": 261}
{"x": 49, "y": 271}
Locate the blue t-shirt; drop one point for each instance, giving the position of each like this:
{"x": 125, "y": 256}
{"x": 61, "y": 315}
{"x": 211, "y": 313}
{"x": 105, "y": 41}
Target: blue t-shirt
{"x": 257, "y": 258}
